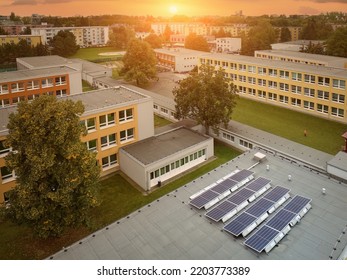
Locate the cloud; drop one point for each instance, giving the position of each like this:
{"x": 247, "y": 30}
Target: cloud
{"x": 24, "y": 2}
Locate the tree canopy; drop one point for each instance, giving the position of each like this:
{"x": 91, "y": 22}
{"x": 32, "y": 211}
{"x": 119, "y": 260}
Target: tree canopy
{"x": 64, "y": 43}
{"x": 140, "y": 63}
{"x": 120, "y": 37}
{"x": 336, "y": 43}
{"x": 57, "y": 177}
{"x": 154, "y": 40}
{"x": 196, "y": 42}
{"x": 207, "y": 97}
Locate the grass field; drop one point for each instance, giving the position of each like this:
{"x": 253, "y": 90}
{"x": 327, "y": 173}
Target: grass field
{"x": 119, "y": 198}
{"x": 93, "y": 53}
{"x": 159, "y": 121}
{"x": 322, "y": 134}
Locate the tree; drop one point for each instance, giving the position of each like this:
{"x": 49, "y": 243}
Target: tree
{"x": 207, "y": 97}
{"x": 316, "y": 48}
{"x": 285, "y": 35}
{"x": 64, "y": 43}
{"x": 259, "y": 37}
{"x": 140, "y": 63}
{"x": 154, "y": 40}
{"x": 336, "y": 43}
{"x": 57, "y": 177}
{"x": 196, "y": 42}
{"x": 120, "y": 37}
{"x": 2, "y": 31}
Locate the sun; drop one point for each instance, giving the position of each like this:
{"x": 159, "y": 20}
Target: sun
{"x": 173, "y": 10}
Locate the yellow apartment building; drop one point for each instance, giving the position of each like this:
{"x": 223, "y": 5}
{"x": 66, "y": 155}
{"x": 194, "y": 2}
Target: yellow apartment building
{"x": 113, "y": 117}
{"x": 316, "y": 90}
{"x": 32, "y": 40}
{"x": 29, "y": 84}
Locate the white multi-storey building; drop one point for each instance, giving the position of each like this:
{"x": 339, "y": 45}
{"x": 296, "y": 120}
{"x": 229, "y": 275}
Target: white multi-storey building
{"x": 227, "y": 45}
{"x": 85, "y": 35}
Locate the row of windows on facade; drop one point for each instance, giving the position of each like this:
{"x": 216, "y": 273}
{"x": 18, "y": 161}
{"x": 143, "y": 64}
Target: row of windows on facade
{"x": 176, "y": 164}
{"x": 164, "y": 110}
{"x": 110, "y": 140}
{"x": 242, "y": 142}
{"x": 288, "y": 59}
{"x": 295, "y": 76}
{"x": 109, "y": 119}
{"x": 11, "y": 101}
{"x": 298, "y": 90}
{"x": 31, "y": 85}
{"x": 321, "y": 108}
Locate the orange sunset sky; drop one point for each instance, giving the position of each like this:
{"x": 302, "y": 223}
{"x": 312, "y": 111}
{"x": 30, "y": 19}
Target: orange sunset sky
{"x": 169, "y": 7}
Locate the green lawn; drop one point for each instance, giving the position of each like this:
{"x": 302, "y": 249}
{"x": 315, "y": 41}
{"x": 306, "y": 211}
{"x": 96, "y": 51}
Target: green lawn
{"x": 119, "y": 198}
{"x": 93, "y": 53}
{"x": 322, "y": 134}
{"x": 159, "y": 121}
{"x": 86, "y": 86}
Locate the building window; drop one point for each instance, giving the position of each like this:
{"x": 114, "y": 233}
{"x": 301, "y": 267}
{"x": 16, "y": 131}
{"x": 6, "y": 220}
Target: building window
{"x": 47, "y": 82}
{"x": 296, "y": 102}
{"x": 283, "y": 99}
{"x": 17, "y": 87}
{"x": 60, "y": 93}
{"x": 284, "y": 74}
{"x": 108, "y": 140}
{"x": 296, "y": 76}
{"x": 246, "y": 144}
{"x": 272, "y": 96}
{"x": 106, "y": 120}
{"x": 242, "y": 78}
{"x": 273, "y": 72}
{"x": 309, "y": 105}
{"x": 251, "y": 91}
{"x": 6, "y": 173}
{"x": 3, "y": 89}
{"x": 323, "y": 81}
{"x": 228, "y": 137}
{"x": 309, "y": 92}
{"x": 339, "y": 84}
{"x": 242, "y": 89}
{"x": 242, "y": 67}
{"x": 251, "y": 69}
{"x": 261, "y": 71}
{"x": 322, "y": 108}
{"x": 310, "y": 78}
{"x": 339, "y": 98}
{"x": 33, "y": 85}
{"x": 261, "y": 94}
{"x": 262, "y": 82}
{"x": 90, "y": 124}
{"x": 127, "y": 135}
{"x": 3, "y": 149}
{"x": 296, "y": 89}
{"x": 165, "y": 111}
{"x": 155, "y": 107}
{"x": 91, "y": 145}
{"x": 60, "y": 80}
{"x": 109, "y": 161}
{"x": 337, "y": 112}
{"x": 272, "y": 84}
{"x": 251, "y": 80}
{"x": 323, "y": 94}
{"x": 284, "y": 87}
{"x": 126, "y": 115}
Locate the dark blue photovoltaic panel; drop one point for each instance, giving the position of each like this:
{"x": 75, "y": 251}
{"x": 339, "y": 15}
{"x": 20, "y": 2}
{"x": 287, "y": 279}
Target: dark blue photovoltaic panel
{"x": 245, "y": 193}
{"x": 239, "y": 224}
{"x": 203, "y": 199}
{"x": 258, "y": 184}
{"x": 241, "y": 175}
{"x": 260, "y": 207}
{"x": 237, "y": 199}
{"x": 260, "y": 239}
{"x": 281, "y": 220}
{"x": 221, "y": 210}
{"x": 222, "y": 187}
{"x": 297, "y": 204}
{"x": 277, "y": 193}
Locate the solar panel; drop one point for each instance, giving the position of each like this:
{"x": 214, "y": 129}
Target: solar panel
{"x": 239, "y": 224}
{"x": 241, "y": 175}
{"x": 258, "y": 184}
{"x": 237, "y": 199}
{"x": 281, "y": 220}
{"x": 220, "y": 211}
{"x": 224, "y": 186}
{"x": 260, "y": 207}
{"x": 245, "y": 193}
{"x": 297, "y": 204}
{"x": 260, "y": 239}
{"x": 277, "y": 193}
{"x": 203, "y": 199}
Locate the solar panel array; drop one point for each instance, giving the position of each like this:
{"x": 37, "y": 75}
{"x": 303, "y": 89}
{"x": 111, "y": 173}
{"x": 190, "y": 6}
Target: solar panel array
{"x": 239, "y": 200}
{"x": 258, "y": 212}
{"x": 219, "y": 191}
{"x": 279, "y": 225}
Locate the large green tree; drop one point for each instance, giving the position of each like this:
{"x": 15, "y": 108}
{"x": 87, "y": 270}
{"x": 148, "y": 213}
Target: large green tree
{"x": 64, "y": 43}
{"x": 57, "y": 177}
{"x": 154, "y": 40}
{"x": 196, "y": 42}
{"x": 285, "y": 35}
{"x": 336, "y": 44}
{"x": 207, "y": 97}
{"x": 120, "y": 37}
{"x": 140, "y": 63}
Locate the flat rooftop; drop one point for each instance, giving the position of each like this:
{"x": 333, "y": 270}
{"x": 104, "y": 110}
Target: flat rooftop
{"x": 330, "y": 61}
{"x": 314, "y": 69}
{"x": 44, "y": 61}
{"x": 160, "y": 146}
{"x": 179, "y": 52}
{"x": 20, "y": 75}
{"x": 169, "y": 228}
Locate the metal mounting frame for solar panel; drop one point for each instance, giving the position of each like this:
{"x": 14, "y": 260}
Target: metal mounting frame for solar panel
{"x": 297, "y": 204}
{"x": 206, "y": 197}
{"x": 259, "y": 186}
{"x": 242, "y": 177}
{"x": 279, "y": 195}
{"x": 262, "y": 238}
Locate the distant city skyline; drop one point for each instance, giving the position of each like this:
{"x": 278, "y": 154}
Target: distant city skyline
{"x": 166, "y": 8}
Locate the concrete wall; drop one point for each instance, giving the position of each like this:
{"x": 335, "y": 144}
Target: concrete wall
{"x": 145, "y": 119}
{"x": 75, "y": 82}
{"x": 333, "y": 170}
{"x": 132, "y": 168}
